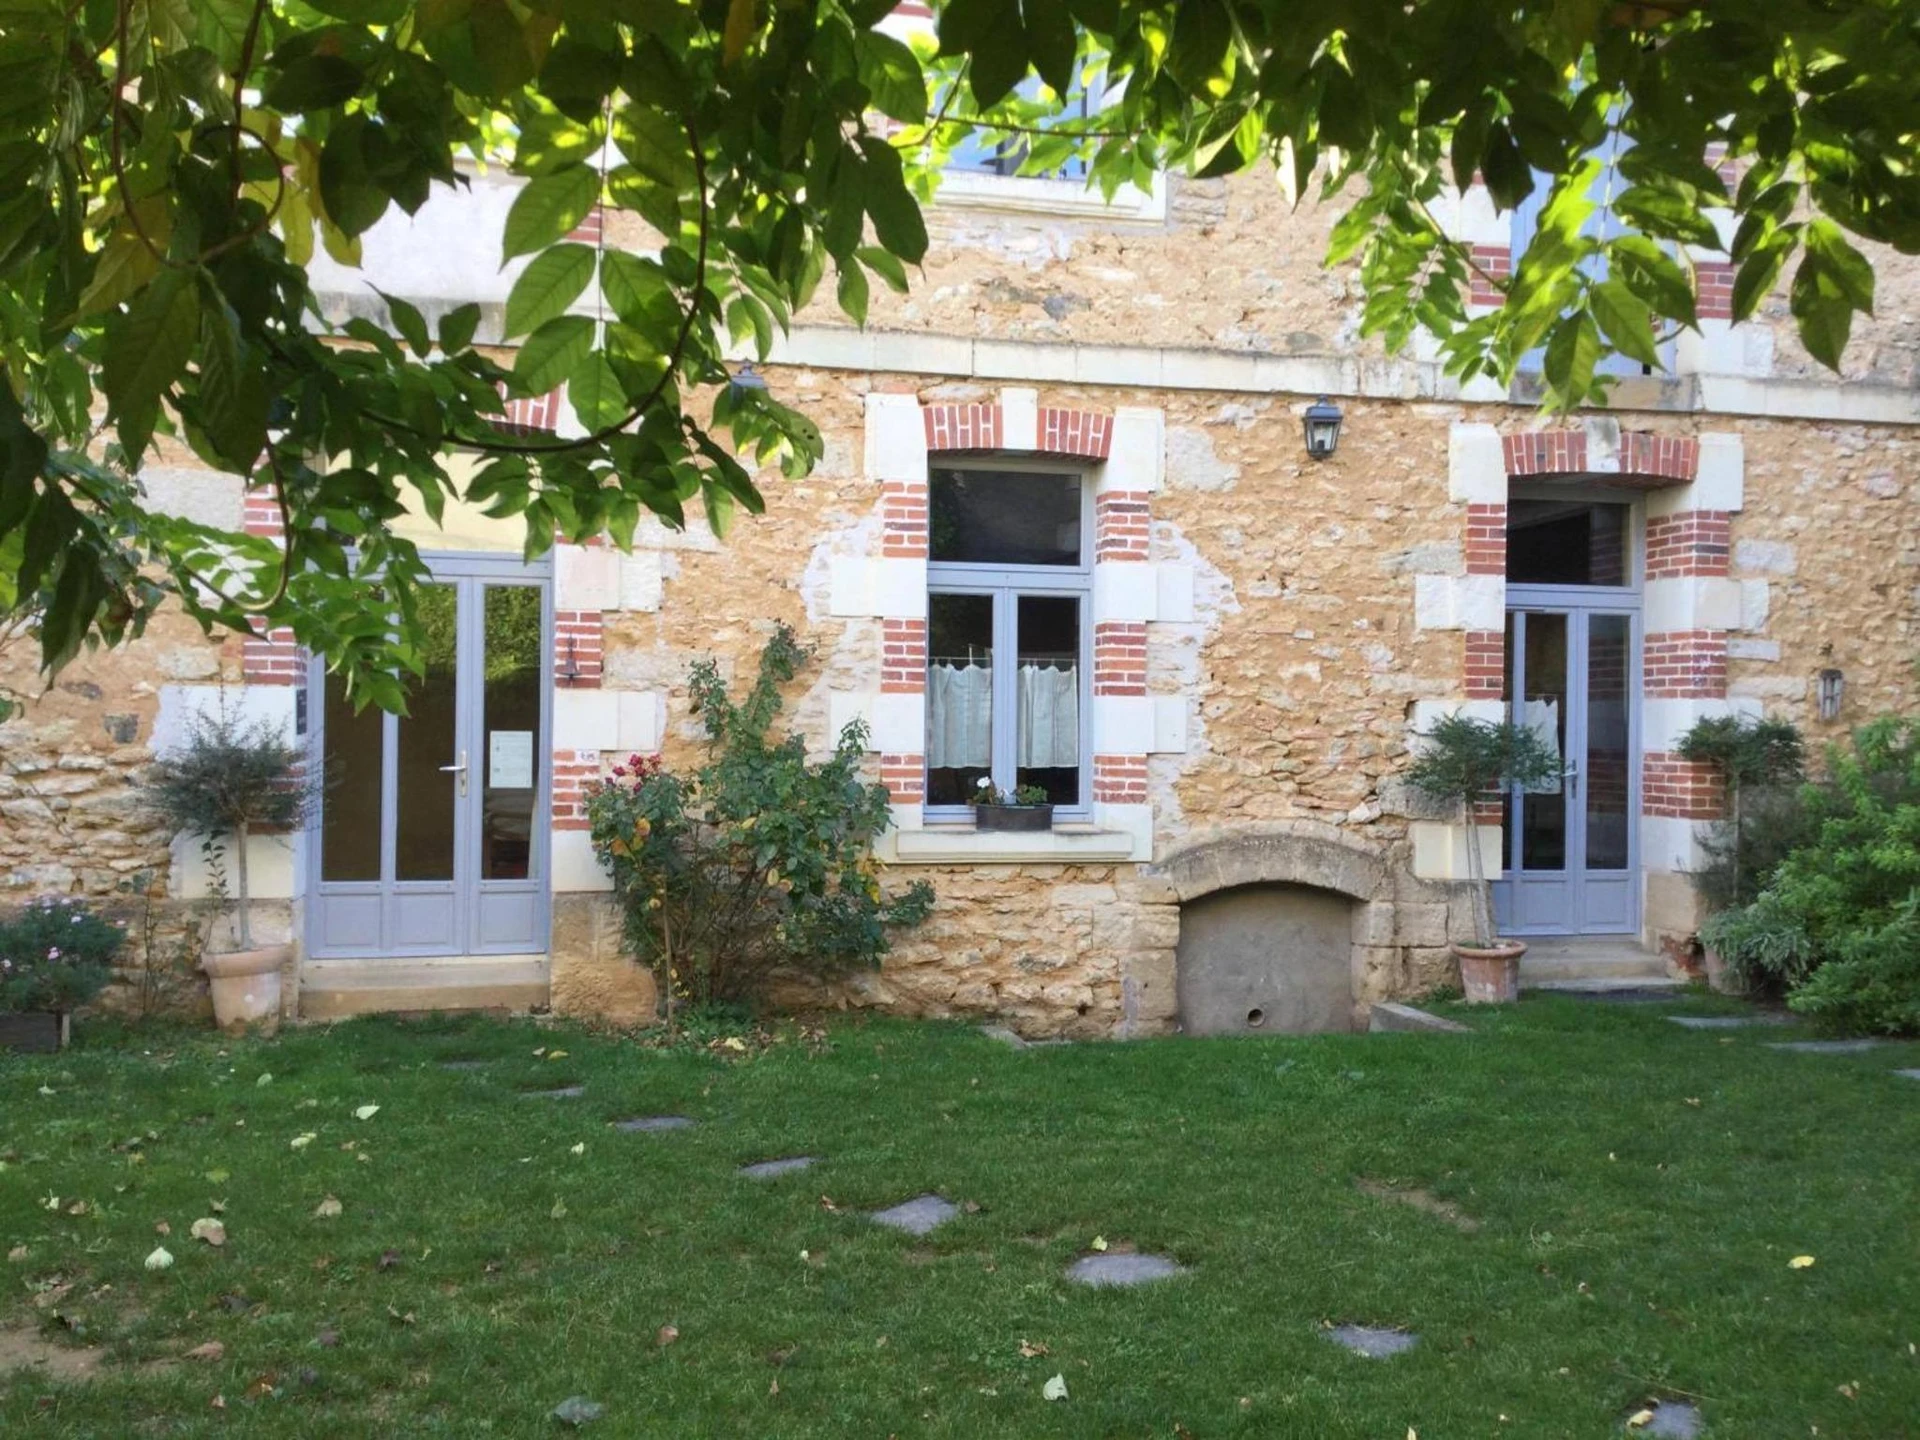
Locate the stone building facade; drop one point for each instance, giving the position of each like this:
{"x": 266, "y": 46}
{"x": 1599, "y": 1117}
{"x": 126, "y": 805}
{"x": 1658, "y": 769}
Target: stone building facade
{"x": 1256, "y": 638}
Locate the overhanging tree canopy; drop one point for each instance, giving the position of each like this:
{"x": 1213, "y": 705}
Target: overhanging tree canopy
{"x": 167, "y": 168}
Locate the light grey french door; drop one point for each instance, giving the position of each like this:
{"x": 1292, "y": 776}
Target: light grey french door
{"x": 432, "y": 832}
{"x": 1572, "y": 850}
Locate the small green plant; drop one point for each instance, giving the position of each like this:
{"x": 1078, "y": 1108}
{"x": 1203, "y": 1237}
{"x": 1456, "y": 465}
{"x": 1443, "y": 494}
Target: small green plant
{"x": 759, "y": 860}
{"x": 1466, "y": 763}
{"x": 1762, "y": 762}
{"x": 229, "y": 779}
{"x": 1023, "y": 797}
{"x": 55, "y": 954}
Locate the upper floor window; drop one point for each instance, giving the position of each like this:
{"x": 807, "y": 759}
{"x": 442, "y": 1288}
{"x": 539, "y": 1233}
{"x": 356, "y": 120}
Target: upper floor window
{"x": 982, "y": 153}
{"x": 1009, "y": 638}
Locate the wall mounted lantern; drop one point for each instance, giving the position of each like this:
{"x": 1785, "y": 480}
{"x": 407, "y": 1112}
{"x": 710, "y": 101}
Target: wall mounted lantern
{"x": 1831, "y": 690}
{"x": 1323, "y": 428}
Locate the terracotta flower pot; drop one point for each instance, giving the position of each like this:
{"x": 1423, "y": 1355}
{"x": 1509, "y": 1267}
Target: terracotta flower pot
{"x": 1490, "y": 976}
{"x": 246, "y": 987}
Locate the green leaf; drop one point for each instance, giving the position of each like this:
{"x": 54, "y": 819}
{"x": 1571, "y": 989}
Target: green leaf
{"x": 409, "y": 322}
{"x": 886, "y": 265}
{"x": 992, "y": 32}
{"x": 1760, "y": 271}
{"x": 314, "y": 82}
{"x": 1654, "y": 275}
{"x": 1571, "y": 356}
{"x": 126, "y": 263}
{"x": 656, "y": 145}
{"x": 547, "y": 207}
{"x": 1625, "y": 320}
{"x": 1844, "y": 265}
{"x": 897, "y": 221}
{"x": 891, "y": 72}
{"x": 363, "y": 12}
{"x": 1202, "y": 32}
{"x": 595, "y": 392}
{"x": 1052, "y": 43}
{"x": 551, "y": 353}
{"x": 457, "y": 327}
{"x": 146, "y": 349}
{"x": 853, "y": 292}
{"x": 638, "y": 290}
{"x": 547, "y": 287}
{"x": 1824, "y": 312}
{"x": 354, "y": 200}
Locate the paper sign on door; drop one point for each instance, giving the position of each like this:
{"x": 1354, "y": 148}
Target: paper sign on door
{"x": 510, "y": 759}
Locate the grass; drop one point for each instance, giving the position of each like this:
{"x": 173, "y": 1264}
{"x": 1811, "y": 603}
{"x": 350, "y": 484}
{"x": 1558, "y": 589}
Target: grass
{"x": 1638, "y": 1191}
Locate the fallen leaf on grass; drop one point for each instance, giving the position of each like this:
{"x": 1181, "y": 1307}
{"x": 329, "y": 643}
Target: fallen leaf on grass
{"x": 366, "y": 1112}
{"x": 266, "y": 1078}
{"x": 1694, "y": 1100}
{"x": 212, "y": 1350}
{"x": 666, "y": 1335}
{"x": 559, "y": 1211}
{"x": 78, "y": 1207}
{"x": 556, "y": 1055}
{"x": 579, "y": 1149}
{"x": 219, "y": 1207}
{"x": 1030, "y": 1351}
{"x": 17, "y": 1254}
{"x": 161, "y": 1227}
{"x": 160, "y": 1259}
{"x": 1639, "y": 1419}
{"x": 1054, "y": 1389}
{"x": 217, "y": 1177}
{"x": 1800, "y": 1262}
{"x": 1852, "y": 1392}
{"x": 327, "y": 1209}
{"x": 388, "y": 1260}
{"x": 219, "y": 1402}
{"x": 300, "y": 1142}
{"x": 1099, "y": 1243}
{"x": 577, "y": 1410}
{"x": 211, "y": 1231}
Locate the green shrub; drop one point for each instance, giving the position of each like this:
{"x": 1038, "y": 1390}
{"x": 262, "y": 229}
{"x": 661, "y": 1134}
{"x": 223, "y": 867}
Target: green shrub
{"x": 759, "y": 860}
{"x": 1762, "y": 762}
{"x": 55, "y": 954}
{"x": 1835, "y": 926}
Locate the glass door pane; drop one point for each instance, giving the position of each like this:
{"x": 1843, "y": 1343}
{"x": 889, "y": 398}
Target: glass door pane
{"x": 1543, "y": 709}
{"x": 510, "y": 739}
{"x": 424, "y": 799}
{"x": 1047, "y": 745}
{"x": 1609, "y": 755}
{"x": 350, "y": 808}
{"x": 959, "y": 696}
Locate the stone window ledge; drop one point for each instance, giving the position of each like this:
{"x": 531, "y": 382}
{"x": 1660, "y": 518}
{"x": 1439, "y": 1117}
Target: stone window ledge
{"x": 963, "y": 844}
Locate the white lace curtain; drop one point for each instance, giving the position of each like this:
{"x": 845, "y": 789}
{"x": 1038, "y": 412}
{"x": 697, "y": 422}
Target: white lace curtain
{"x": 960, "y": 717}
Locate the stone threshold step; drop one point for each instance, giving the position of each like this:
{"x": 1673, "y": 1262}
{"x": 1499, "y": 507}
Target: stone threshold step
{"x": 335, "y": 989}
{"x": 1601, "y": 984}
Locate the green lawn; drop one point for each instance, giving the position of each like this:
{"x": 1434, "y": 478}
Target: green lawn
{"x": 1638, "y": 1190}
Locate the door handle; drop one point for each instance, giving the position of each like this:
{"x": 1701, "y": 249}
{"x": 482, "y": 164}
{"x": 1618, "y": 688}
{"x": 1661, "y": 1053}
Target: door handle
{"x": 1572, "y": 776}
{"x": 460, "y": 770}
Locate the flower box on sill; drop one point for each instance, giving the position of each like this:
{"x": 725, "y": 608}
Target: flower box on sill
{"x": 34, "y": 1032}
{"x": 1013, "y": 817}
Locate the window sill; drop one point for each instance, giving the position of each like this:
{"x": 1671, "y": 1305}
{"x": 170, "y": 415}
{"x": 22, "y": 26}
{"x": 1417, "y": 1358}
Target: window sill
{"x": 1039, "y": 195}
{"x": 963, "y": 844}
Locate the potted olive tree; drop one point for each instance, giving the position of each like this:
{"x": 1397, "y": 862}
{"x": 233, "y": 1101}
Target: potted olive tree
{"x": 229, "y": 781}
{"x": 1026, "y": 809}
{"x": 1465, "y": 762}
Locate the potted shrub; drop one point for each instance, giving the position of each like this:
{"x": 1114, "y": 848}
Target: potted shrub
{"x": 230, "y": 781}
{"x": 1464, "y": 762}
{"x": 1760, "y": 761}
{"x": 55, "y": 956}
{"x": 1026, "y": 809}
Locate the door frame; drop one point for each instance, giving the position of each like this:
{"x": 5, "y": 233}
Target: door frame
{"x": 448, "y": 567}
{"x": 1579, "y": 603}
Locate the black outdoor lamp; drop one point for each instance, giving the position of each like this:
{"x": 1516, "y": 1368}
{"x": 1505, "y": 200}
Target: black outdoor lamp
{"x": 1323, "y": 428}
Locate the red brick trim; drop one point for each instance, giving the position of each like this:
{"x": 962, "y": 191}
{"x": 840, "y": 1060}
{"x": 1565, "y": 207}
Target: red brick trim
{"x": 579, "y": 648}
{"x": 575, "y": 773}
{"x": 1494, "y": 262}
{"x": 903, "y": 657}
{"x": 1486, "y": 667}
{"x": 1689, "y": 542}
{"x": 271, "y": 657}
{"x": 1685, "y": 665}
{"x": 1121, "y": 520}
{"x": 532, "y": 414}
{"x": 905, "y": 777}
{"x": 1681, "y": 789}
{"x": 1645, "y": 459}
{"x": 592, "y": 228}
{"x": 260, "y": 515}
{"x": 1713, "y": 289}
{"x": 903, "y": 519}
{"x": 962, "y": 427}
{"x": 1080, "y": 434}
{"x": 1486, "y": 539}
{"x": 1120, "y": 779}
{"x": 1120, "y": 657}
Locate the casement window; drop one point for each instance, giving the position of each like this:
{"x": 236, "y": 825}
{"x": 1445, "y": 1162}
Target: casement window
{"x": 981, "y": 154}
{"x": 1009, "y": 635}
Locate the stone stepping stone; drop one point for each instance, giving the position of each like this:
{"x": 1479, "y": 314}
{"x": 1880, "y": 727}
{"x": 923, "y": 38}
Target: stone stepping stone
{"x": 651, "y": 1124}
{"x": 919, "y": 1216}
{"x": 1108, "y": 1270}
{"x": 1825, "y": 1047}
{"x": 769, "y": 1169}
{"x": 1908, "y": 1074}
{"x": 1372, "y": 1341}
{"x": 1673, "y": 1420}
{"x": 1728, "y": 1022}
{"x": 565, "y": 1092}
